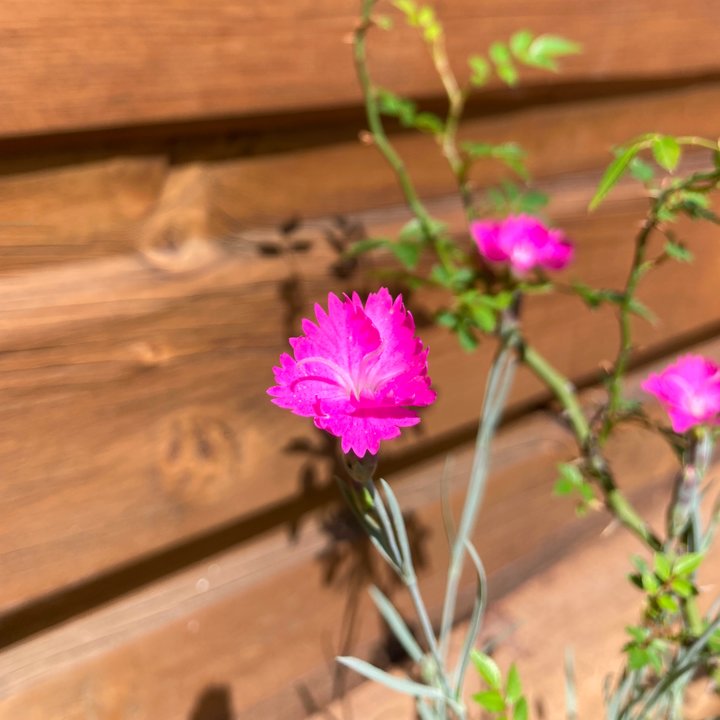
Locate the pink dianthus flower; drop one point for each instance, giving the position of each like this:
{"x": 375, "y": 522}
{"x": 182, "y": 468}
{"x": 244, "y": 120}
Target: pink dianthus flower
{"x": 522, "y": 242}
{"x": 358, "y": 372}
{"x": 689, "y": 389}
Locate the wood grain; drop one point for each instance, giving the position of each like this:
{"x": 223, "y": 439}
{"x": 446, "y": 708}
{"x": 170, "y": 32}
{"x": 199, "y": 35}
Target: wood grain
{"x": 260, "y": 624}
{"x": 97, "y": 208}
{"x": 97, "y": 64}
{"x": 164, "y": 364}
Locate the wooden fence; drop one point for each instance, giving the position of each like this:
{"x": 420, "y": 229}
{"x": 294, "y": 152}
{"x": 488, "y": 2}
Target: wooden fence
{"x": 176, "y": 182}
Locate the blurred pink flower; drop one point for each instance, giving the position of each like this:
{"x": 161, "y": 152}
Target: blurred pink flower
{"x": 690, "y": 391}
{"x": 523, "y": 242}
{"x": 358, "y": 372}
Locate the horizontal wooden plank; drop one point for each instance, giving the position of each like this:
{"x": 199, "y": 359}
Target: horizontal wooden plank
{"x": 97, "y": 64}
{"x": 100, "y": 208}
{"x": 587, "y": 602}
{"x": 261, "y": 624}
{"x": 162, "y": 359}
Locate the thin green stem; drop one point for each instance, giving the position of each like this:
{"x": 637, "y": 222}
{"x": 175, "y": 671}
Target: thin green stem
{"x": 614, "y": 499}
{"x": 377, "y": 129}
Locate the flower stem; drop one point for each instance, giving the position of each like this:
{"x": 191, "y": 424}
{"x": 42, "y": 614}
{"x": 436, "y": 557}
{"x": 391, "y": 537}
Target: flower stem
{"x": 596, "y": 464}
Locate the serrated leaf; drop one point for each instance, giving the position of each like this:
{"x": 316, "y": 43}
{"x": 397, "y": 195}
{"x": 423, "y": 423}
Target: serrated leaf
{"x": 513, "y": 686}
{"x": 666, "y": 151}
{"x": 399, "y": 684}
{"x": 687, "y": 564}
{"x": 487, "y": 669}
{"x": 491, "y": 700}
{"x": 615, "y": 170}
{"x": 533, "y": 201}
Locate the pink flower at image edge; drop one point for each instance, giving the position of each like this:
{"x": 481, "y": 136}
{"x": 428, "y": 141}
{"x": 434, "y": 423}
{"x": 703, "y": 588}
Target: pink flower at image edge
{"x": 689, "y": 389}
{"x": 522, "y": 242}
{"x": 358, "y": 371}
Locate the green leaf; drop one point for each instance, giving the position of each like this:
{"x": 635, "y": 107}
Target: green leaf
{"x": 638, "y": 657}
{"x": 500, "y": 55}
{"x": 366, "y": 245}
{"x": 666, "y": 151}
{"x": 483, "y": 317}
{"x": 638, "y": 633}
{"x": 402, "y": 685}
{"x": 668, "y": 603}
{"x": 677, "y": 251}
{"x": 642, "y": 310}
{"x": 663, "y": 566}
{"x": 650, "y": 583}
{"x": 571, "y": 473}
{"x": 480, "y": 70}
{"x": 429, "y": 122}
{"x": 683, "y": 587}
{"x": 520, "y": 43}
{"x": 532, "y": 201}
{"x": 487, "y": 668}
{"x": 614, "y": 172}
{"x": 687, "y": 564}
{"x": 545, "y": 48}
{"x": 466, "y": 336}
{"x": 408, "y": 252}
{"x": 641, "y": 170}
{"x": 513, "y": 687}
{"x": 491, "y": 700}
{"x": 413, "y": 230}
{"x": 447, "y": 319}
{"x": 520, "y": 712}
{"x": 383, "y": 22}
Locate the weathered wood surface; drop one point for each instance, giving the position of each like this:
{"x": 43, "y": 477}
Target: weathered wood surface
{"x": 95, "y": 208}
{"x": 162, "y": 359}
{"x": 582, "y": 604}
{"x": 72, "y": 66}
{"x": 260, "y": 624}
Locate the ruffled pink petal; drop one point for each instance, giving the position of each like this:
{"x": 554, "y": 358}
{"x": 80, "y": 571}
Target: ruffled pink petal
{"x": 359, "y": 371}
{"x": 689, "y": 389}
{"x": 487, "y": 238}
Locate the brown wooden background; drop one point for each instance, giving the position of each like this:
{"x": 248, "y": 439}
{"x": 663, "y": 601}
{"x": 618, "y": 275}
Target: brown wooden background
{"x": 170, "y": 546}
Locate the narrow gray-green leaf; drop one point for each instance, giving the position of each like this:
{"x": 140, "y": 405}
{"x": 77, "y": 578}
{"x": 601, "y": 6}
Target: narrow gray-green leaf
{"x": 399, "y": 684}
{"x": 395, "y": 622}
